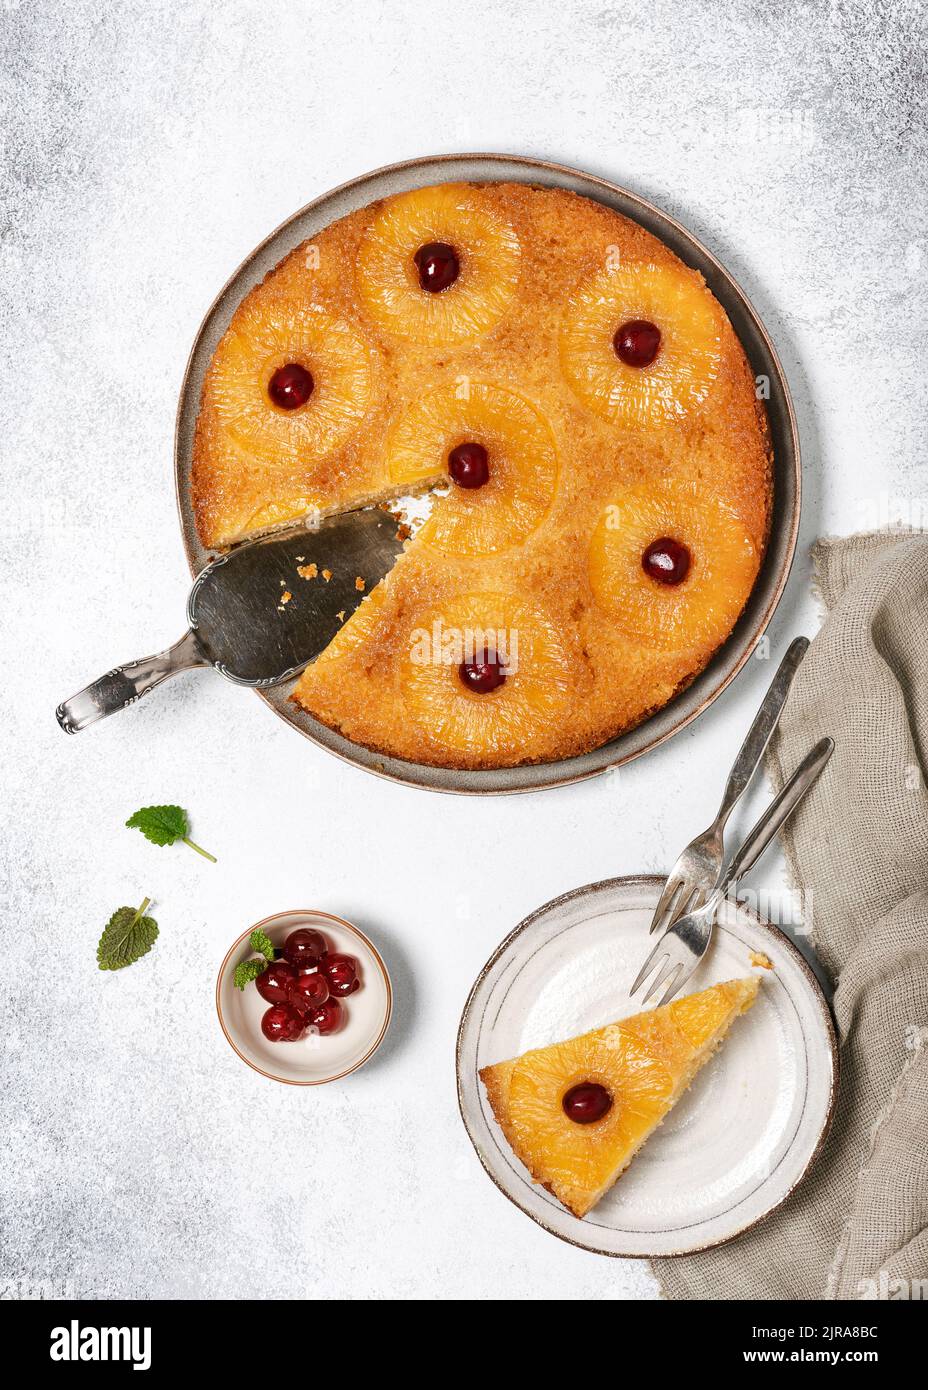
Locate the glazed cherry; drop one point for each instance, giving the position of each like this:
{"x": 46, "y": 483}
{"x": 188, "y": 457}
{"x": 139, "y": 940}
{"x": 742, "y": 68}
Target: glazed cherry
{"x": 326, "y": 1018}
{"x": 308, "y": 991}
{"x": 586, "y": 1103}
{"x": 438, "y": 266}
{"x": 468, "y": 465}
{"x": 483, "y": 675}
{"x": 281, "y": 1024}
{"x": 341, "y": 972}
{"x": 304, "y": 947}
{"x": 666, "y": 560}
{"x": 290, "y": 386}
{"x": 637, "y": 342}
{"x": 273, "y": 982}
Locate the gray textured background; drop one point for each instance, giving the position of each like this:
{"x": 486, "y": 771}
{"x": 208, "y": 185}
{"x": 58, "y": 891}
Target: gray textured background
{"x": 146, "y": 148}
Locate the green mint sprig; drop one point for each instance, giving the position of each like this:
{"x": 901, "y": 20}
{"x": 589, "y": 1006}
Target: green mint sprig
{"x": 248, "y": 970}
{"x": 262, "y": 943}
{"x": 127, "y": 936}
{"x": 165, "y": 825}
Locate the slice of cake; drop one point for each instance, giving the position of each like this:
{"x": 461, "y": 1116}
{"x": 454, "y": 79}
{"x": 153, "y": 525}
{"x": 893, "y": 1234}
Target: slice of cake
{"x": 577, "y": 1112}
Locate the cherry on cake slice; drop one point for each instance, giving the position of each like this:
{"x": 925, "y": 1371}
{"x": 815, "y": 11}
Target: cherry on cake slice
{"x": 577, "y": 1112}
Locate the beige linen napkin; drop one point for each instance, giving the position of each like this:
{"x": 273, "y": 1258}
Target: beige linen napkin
{"x": 857, "y": 1227}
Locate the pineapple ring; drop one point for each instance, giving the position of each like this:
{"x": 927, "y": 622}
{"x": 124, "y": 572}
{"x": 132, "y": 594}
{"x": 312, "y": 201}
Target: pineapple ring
{"x": 682, "y": 374}
{"x": 539, "y": 1082}
{"x": 267, "y": 334}
{"x": 487, "y": 248}
{"x": 523, "y": 467}
{"x": 525, "y": 708}
{"x": 697, "y": 614}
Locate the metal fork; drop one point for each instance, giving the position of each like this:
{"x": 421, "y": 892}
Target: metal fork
{"x": 684, "y": 943}
{"x": 696, "y": 872}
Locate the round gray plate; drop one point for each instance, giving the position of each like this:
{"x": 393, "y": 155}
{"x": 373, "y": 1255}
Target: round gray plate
{"x": 490, "y": 168}
{"x": 745, "y": 1133}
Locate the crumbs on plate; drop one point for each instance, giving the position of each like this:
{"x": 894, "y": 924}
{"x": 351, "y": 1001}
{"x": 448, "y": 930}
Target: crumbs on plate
{"x": 764, "y": 962}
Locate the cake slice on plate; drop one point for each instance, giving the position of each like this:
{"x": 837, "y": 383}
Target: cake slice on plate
{"x": 577, "y": 1112}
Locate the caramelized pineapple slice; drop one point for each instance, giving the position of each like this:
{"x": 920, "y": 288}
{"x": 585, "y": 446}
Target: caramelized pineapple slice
{"x": 270, "y": 333}
{"x": 521, "y": 459}
{"x": 578, "y": 1159}
{"x": 640, "y": 1066}
{"x": 693, "y": 615}
{"x": 681, "y": 375}
{"x": 518, "y": 642}
{"x": 487, "y": 251}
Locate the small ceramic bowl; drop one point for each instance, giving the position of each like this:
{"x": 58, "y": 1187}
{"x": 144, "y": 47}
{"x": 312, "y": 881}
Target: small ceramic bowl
{"x": 312, "y": 1060}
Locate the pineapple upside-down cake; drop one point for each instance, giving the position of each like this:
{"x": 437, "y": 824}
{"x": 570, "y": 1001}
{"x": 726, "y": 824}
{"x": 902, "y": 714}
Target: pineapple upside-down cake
{"x": 577, "y": 1112}
{"x": 583, "y": 409}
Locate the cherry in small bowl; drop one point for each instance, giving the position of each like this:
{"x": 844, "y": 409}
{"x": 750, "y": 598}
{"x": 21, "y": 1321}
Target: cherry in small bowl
{"x": 305, "y": 948}
{"x": 341, "y": 972}
{"x": 325, "y": 1019}
{"x": 308, "y": 991}
{"x": 281, "y": 1023}
{"x": 272, "y": 984}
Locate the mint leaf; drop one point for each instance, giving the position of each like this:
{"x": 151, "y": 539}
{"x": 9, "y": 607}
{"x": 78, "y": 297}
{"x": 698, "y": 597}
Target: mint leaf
{"x": 164, "y": 825}
{"x": 248, "y": 970}
{"x": 127, "y": 936}
{"x": 262, "y": 943}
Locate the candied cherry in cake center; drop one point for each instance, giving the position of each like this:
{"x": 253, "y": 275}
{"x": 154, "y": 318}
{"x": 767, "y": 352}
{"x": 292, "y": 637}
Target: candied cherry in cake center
{"x": 586, "y": 1103}
{"x": 468, "y": 465}
{"x": 438, "y": 266}
{"x": 666, "y": 560}
{"x": 637, "y": 342}
{"x": 291, "y": 386}
{"x": 483, "y": 672}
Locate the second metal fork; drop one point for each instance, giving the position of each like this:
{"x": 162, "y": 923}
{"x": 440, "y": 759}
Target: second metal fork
{"x": 684, "y": 943}
{"x": 697, "y": 870}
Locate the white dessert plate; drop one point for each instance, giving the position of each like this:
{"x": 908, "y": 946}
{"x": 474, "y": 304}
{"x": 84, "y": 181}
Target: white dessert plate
{"x": 744, "y": 1134}
{"x": 312, "y": 1060}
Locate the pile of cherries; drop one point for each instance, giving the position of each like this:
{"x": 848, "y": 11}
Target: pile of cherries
{"x": 304, "y": 986}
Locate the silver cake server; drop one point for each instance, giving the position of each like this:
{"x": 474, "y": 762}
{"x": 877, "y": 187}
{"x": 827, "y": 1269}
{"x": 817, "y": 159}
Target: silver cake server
{"x": 240, "y": 622}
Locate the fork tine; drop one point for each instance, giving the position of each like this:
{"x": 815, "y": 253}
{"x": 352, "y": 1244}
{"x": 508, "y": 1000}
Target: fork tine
{"x": 658, "y": 954}
{"x": 676, "y": 985}
{"x": 668, "y": 972}
{"x": 665, "y": 911}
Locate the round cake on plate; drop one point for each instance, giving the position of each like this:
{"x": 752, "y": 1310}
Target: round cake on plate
{"x": 580, "y": 406}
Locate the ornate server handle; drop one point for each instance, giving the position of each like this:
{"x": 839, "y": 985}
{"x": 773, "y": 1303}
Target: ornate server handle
{"x": 128, "y": 683}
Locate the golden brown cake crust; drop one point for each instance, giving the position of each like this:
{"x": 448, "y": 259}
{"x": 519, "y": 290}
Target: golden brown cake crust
{"x": 598, "y": 674}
